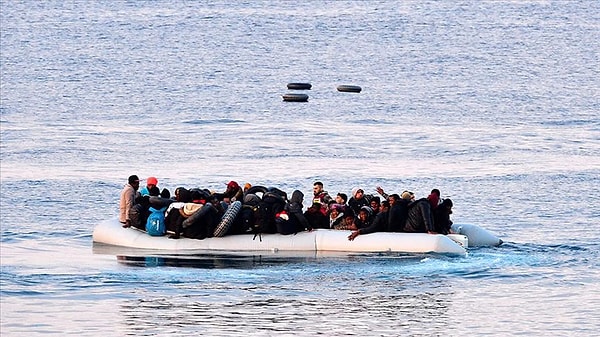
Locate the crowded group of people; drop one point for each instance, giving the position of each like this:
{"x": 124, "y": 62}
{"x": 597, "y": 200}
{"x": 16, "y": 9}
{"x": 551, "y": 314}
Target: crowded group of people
{"x": 196, "y": 212}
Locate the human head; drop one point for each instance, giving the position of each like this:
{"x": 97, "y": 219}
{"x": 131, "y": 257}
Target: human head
{"x": 341, "y": 198}
{"x": 385, "y": 205}
{"x": 358, "y": 193}
{"x": 335, "y": 210}
{"x": 317, "y": 187}
{"x": 393, "y": 199}
{"x": 232, "y": 185}
{"x": 134, "y": 181}
{"x": 375, "y": 202}
{"x": 407, "y": 195}
{"x": 435, "y": 191}
{"x": 448, "y": 204}
{"x": 364, "y": 213}
{"x": 154, "y": 191}
{"x": 151, "y": 181}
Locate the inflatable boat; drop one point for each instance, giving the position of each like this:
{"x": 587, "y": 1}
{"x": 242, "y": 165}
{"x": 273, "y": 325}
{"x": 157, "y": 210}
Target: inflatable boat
{"x": 110, "y": 232}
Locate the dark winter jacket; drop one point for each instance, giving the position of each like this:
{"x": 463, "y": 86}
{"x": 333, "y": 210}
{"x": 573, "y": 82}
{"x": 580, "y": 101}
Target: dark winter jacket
{"x": 441, "y": 217}
{"x": 357, "y": 204}
{"x": 379, "y": 224}
{"x": 397, "y": 216}
{"x": 294, "y": 209}
{"x": 420, "y": 219}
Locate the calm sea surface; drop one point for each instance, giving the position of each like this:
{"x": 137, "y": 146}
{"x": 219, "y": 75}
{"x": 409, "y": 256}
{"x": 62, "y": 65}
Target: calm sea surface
{"x": 494, "y": 103}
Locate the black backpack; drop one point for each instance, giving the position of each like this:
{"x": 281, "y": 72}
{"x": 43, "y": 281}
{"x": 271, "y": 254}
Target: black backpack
{"x": 265, "y": 213}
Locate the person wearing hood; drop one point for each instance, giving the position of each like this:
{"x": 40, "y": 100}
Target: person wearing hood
{"x": 297, "y": 220}
{"x": 379, "y": 224}
{"x": 336, "y": 214}
{"x": 359, "y": 199}
{"x": 441, "y": 217}
{"x": 364, "y": 218}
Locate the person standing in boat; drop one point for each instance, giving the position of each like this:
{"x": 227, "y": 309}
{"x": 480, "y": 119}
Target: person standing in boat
{"x": 127, "y": 199}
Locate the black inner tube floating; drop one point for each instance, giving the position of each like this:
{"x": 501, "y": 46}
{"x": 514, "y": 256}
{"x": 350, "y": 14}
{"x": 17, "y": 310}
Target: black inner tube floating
{"x": 299, "y": 86}
{"x": 295, "y": 97}
{"x": 348, "y": 88}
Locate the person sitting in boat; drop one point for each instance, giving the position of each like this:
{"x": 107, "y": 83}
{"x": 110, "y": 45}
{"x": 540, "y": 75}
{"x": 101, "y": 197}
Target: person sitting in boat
{"x": 419, "y": 218}
{"x": 364, "y": 218}
{"x": 398, "y": 212}
{"x": 434, "y": 198}
{"x": 150, "y": 182}
{"x": 441, "y": 217}
{"x": 375, "y": 204}
{"x": 232, "y": 193}
{"x": 342, "y": 199}
{"x": 359, "y": 199}
{"x": 315, "y": 217}
{"x": 348, "y": 223}
{"x": 379, "y": 224}
{"x": 127, "y": 199}
{"x": 296, "y": 221}
{"x": 138, "y": 214}
{"x": 321, "y": 197}
{"x": 336, "y": 215}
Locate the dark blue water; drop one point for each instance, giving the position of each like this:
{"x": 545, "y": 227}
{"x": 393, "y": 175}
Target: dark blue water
{"x": 494, "y": 103}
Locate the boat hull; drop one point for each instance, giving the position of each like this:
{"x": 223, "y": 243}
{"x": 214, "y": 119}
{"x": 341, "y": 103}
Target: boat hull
{"x": 321, "y": 240}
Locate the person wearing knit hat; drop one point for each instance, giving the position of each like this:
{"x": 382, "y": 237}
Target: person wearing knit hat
{"x": 247, "y": 186}
{"x": 150, "y": 182}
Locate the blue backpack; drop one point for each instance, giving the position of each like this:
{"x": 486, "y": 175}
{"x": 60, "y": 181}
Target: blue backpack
{"x": 155, "y": 225}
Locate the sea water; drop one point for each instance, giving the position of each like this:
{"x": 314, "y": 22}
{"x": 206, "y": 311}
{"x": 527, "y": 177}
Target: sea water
{"x": 494, "y": 103}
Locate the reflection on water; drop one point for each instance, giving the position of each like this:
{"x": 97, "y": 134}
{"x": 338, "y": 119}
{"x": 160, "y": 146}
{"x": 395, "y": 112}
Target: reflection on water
{"x": 294, "y": 306}
{"x": 303, "y": 293}
{"x": 208, "y": 261}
